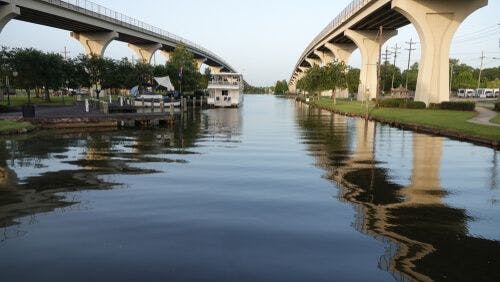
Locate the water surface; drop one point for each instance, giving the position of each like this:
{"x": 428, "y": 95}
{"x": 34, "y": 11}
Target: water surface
{"x": 274, "y": 191}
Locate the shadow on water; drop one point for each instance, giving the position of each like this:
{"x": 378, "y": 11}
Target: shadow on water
{"x": 60, "y": 162}
{"x": 425, "y": 238}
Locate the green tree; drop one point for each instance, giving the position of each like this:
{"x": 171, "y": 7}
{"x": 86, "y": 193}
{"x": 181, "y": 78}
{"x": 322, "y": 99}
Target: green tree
{"x": 281, "y": 87}
{"x": 335, "y": 78}
{"x": 353, "y": 79}
{"x": 183, "y": 70}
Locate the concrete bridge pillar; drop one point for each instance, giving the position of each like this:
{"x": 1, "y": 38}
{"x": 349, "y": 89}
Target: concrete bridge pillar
{"x": 166, "y": 54}
{"x": 436, "y": 22}
{"x": 313, "y": 62}
{"x": 145, "y": 52}
{"x": 341, "y": 51}
{"x": 216, "y": 69}
{"x": 326, "y": 57}
{"x": 368, "y": 42}
{"x": 7, "y": 13}
{"x": 200, "y": 62}
{"x": 304, "y": 69}
{"x": 95, "y": 43}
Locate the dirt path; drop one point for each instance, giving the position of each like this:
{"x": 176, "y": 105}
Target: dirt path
{"x": 484, "y": 117}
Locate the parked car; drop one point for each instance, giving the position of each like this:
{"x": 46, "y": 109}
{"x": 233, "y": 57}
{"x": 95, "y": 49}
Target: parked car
{"x": 462, "y": 93}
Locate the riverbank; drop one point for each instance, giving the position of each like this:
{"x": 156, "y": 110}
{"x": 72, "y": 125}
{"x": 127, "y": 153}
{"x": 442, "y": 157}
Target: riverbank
{"x": 10, "y": 127}
{"x": 453, "y": 124}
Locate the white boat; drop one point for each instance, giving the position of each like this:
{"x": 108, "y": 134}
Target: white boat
{"x": 225, "y": 90}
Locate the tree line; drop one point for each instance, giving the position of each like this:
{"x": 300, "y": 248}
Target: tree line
{"x": 44, "y": 71}
{"x": 318, "y": 79}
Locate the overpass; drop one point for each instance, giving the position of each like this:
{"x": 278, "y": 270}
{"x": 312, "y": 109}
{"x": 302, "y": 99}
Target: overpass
{"x": 95, "y": 26}
{"x": 358, "y": 27}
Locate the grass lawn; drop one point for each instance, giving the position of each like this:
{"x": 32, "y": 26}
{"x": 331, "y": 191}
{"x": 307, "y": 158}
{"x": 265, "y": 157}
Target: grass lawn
{"x": 7, "y": 126}
{"x": 496, "y": 119}
{"x": 18, "y": 101}
{"x": 449, "y": 120}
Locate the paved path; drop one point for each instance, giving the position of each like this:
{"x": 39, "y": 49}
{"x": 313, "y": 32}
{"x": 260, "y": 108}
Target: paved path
{"x": 484, "y": 117}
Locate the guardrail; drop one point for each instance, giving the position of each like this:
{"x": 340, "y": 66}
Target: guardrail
{"x": 95, "y": 10}
{"x": 346, "y": 14}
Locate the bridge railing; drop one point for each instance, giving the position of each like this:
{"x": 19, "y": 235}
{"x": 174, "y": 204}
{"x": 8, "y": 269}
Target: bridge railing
{"x": 92, "y": 9}
{"x": 345, "y": 15}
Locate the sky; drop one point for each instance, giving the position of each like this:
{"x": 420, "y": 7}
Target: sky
{"x": 263, "y": 39}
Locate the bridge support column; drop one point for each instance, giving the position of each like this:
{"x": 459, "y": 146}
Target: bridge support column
{"x": 326, "y": 57}
{"x": 95, "y": 43}
{"x": 215, "y": 69}
{"x": 200, "y": 62}
{"x": 145, "y": 52}
{"x": 166, "y": 54}
{"x": 313, "y": 62}
{"x": 341, "y": 51}
{"x": 7, "y": 13}
{"x": 436, "y": 22}
{"x": 368, "y": 43}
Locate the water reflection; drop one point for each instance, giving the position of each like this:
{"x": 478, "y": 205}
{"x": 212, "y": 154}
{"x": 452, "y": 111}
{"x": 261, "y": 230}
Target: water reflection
{"x": 426, "y": 238}
{"x": 48, "y": 168}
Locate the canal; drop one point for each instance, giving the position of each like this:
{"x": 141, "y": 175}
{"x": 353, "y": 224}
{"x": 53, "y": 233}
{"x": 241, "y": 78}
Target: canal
{"x": 275, "y": 191}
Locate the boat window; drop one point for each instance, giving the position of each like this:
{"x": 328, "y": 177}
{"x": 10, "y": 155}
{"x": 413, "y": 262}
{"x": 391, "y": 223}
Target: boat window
{"x": 225, "y": 93}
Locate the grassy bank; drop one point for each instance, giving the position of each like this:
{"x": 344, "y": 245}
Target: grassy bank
{"x": 455, "y": 122}
{"x": 496, "y": 119}
{"x": 14, "y": 127}
{"x": 18, "y": 101}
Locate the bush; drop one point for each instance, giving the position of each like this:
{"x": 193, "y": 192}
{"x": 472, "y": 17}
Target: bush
{"x": 497, "y": 106}
{"x": 401, "y": 103}
{"x": 435, "y": 106}
{"x": 391, "y": 103}
{"x": 4, "y": 109}
{"x": 415, "y": 105}
{"x": 458, "y": 106}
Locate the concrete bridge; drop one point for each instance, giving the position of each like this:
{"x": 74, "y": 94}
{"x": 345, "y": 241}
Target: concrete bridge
{"x": 95, "y": 27}
{"x": 358, "y": 27}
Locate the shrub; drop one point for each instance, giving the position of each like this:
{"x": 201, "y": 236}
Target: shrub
{"x": 4, "y": 109}
{"x": 401, "y": 103}
{"x": 497, "y": 106}
{"x": 391, "y": 103}
{"x": 435, "y": 106}
{"x": 458, "y": 106}
{"x": 415, "y": 105}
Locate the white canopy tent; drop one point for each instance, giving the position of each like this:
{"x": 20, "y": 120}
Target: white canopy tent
{"x": 165, "y": 82}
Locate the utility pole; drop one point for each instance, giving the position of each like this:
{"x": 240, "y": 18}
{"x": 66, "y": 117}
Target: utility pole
{"x": 481, "y": 70}
{"x": 65, "y": 53}
{"x": 381, "y": 33}
{"x": 386, "y": 60}
{"x": 396, "y": 52}
{"x": 452, "y": 66}
{"x": 409, "y": 49}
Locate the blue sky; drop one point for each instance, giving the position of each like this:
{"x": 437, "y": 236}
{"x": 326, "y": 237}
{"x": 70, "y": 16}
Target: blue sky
{"x": 261, "y": 38}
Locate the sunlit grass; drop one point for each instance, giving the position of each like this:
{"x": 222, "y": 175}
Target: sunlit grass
{"x": 454, "y": 121}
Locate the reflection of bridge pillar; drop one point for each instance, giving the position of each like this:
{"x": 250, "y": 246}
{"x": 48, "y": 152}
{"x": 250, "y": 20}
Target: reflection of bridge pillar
{"x": 436, "y": 22}
{"x": 365, "y": 141}
{"x": 341, "y": 51}
{"x": 368, "y": 43}
{"x": 145, "y": 52}
{"x": 7, "y": 13}
{"x": 95, "y": 43}
{"x": 425, "y": 187}
{"x": 326, "y": 57}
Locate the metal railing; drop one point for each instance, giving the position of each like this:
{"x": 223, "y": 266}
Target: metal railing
{"x": 345, "y": 15}
{"x": 95, "y": 10}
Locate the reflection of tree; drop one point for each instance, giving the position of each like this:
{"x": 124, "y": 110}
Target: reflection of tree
{"x": 93, "y": 155}
{"x": 425, "y": 239}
